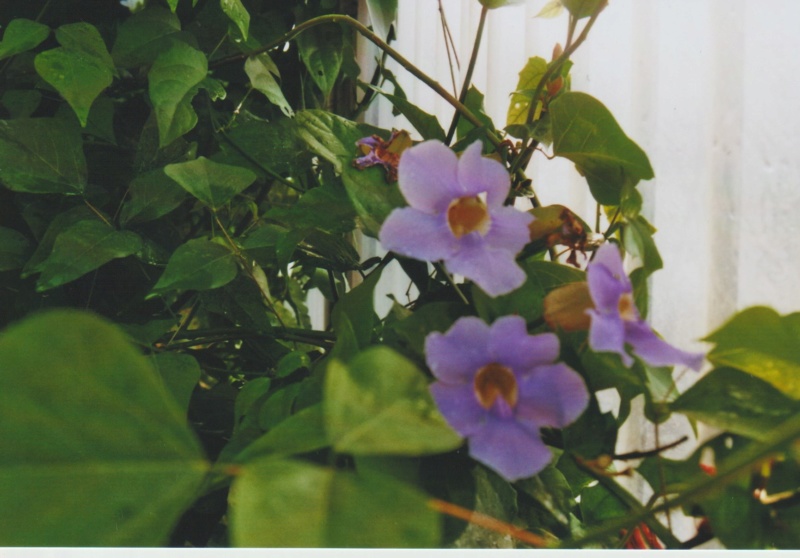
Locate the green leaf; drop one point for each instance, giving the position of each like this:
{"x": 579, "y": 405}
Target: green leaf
{"x": 526, "y": 300}
{"x": 247, "y": 397}
{"x": 212, "y": 183}
{"x": 80, "y": 69}
{"x": 529, "y": 78}
{"x": 382, "y": 13}
{"x": 198, "y": 265}
{"x": 321, "y": 51}
{"x": 373, "y": 199}
{"x": 15, "y": 249}
{"x": 153, "y": 194}
{"x": 21, "y": 103}
{"x": 599, "y": 504}
{"x": 238, "y": 14}
{"x": 57, "y": 225}
{"x": 330, "y": 136}
{"x": 173, "y": 5}
{"x": 492, "y": 4}
{"x": 120, "y": 467}
{"x": 379, "y": 403}
{"x": 143, "y": 36}
{"x": 759, "y": 341}
{"x": 291, "y": 362}
{"x": 173, "y": 82}
{"x": 273, "y": 145}
{"x": 282, "y": 503}
{"x": 638, "y": 240}
{"x": 582, "y": 8}
{"x": 358, "y": 306}
{"x": 737, "y": 402}
{"x": 262, "y": 72}
{"x": 22, "y": 35}
{"x": 180, "y": 374}
{"x": 83, "y": 247}
{"x": 327, "y": 207}
{"x": 474, "y": 102}
{"x": 42, "y": 156}
{"x": 299, "y": 433}
{"x": 586, "y": 133}
{"x": 426, "y": 124}
{"x": 411, "y": 332}
{"x": 552, "y": 9}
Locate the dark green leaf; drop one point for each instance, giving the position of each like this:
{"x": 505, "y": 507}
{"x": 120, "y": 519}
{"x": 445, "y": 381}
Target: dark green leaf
{"x": 291, "y": 362}
{"x": 299, "y": 433}
{"x": 327, "y": 207}
{"x": 259, "y": 144}
{"x": 83, "y": 247}
{"x": 593, "y": 434}
{"x": 474, "y": 102}
{"x": 426, "y": 124}
{"x": 143, "y": 36}
{"x": 331, "y": 137}
{"x": 598, "y": 504}
{"x": 153, "y": 194}
{"x": 379, "y": 403}
{"x": 22, "y": 35}
{"x": 238, "y": 14}
{"x": 180, "y": 373}
{"x": 526, "y": 300}
{"x": 57, "y": 225}
{"x": 586, "y": 133}
{"x": 281, "y": 503}
{"x": 248, "y": 396}
{"x": 41, "y": 156}
{"x": 373, "y": 199}
{"x": 382, "y": 14}
{"x": 199, "y": 264}
{"x": 494, "y": 497}
{"x": 436, "y": 316}
{"x": 549, "y": 275}
{"x": 737, "y": 402}
{"x": 210, "y": 182}
{"x": 262, "y": 72}
{"x": 763, "y": 343}
{"x": 15, "y": 249}
{"x": 738, "y": 519}
{"x": 321, "y": 51}
{"x": 21, "y": 103}
{"x": 174, "y": 79}
{"x": 359, "y": 307}
{"x": 120, "y": 467}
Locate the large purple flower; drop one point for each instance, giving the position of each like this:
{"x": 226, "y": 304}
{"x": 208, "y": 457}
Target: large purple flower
{"x": 456, "y": 214}
{"x": 615, "y": 319}
{"x": 497, "y": 386}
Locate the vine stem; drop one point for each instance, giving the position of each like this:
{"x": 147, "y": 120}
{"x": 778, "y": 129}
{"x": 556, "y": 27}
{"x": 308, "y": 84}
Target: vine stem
{"x": 380, "y": 43}
{"x": 470, "y": 69}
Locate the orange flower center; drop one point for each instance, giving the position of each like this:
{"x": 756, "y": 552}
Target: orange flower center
{"x": 468, "y": 214}
{"x": 493, "y": 381}
{"x": 627, "y": 308}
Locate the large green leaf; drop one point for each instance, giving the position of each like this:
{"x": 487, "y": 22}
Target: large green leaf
{"x": 327, "y": 207}
{"x": 199, "y": 264}
{"x": 282, "y": 503}
{"x": 152, "y": 195}
{"x": 586, "y": 133}
{"x": 426, "y": 124}
{"x": 83, "y": 247}
{"x": 382, "y": 14}
{"x": 262, "y": 72}
{"x": 15, "y": 248}
{"x": 143, "y": 36}
{"x": 379, "y": 403}
{"x": 22, "y": 35}
{"x": 259, "y": 145}
{"x": 174, "y": 79}
{"x": 737, "y": 402}
{"x": 760, "y": 341}
{"x": 80, "y": 69}
{"x": 210, "y": 182}
{"x": 238, "y": 14}
{"x": 42, "y": 156}
{"x": 95, "y": 451}
{"x": 373, "y": 199}
{"x": 321, "y": 51}
{"x": 330, "y": 136}
{"x": 180, "y": 373}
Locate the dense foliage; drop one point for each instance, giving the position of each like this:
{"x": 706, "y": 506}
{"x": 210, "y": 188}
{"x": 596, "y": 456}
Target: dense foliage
{"x": 176, "y": 176}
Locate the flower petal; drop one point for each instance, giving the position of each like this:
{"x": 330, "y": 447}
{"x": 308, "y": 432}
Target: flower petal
{"x": 553, "y": 395}
{"x": 607, "y": 334}
{"x": 509, "y": 449}
{"x": 455, "y": 356}
{"x": 655, "y": 351}
{"x": 509, "y": 229}
{"x": 493, "y": 270}
{"x": 418, "y": 235}
{"x": 459, "y": 407}
{"x": 427, "y": 176}
{"x": 608, "y": 256}
{"x": 511, "y": 345}
{"x": 478, "y": 174}
{"x": 605, "y": 288}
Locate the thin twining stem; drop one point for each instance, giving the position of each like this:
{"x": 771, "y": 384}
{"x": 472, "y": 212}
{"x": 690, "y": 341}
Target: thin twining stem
{"x": 450, "y": 47}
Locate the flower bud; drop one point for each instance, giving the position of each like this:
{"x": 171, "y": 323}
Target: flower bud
{"x": 565, "y": 307}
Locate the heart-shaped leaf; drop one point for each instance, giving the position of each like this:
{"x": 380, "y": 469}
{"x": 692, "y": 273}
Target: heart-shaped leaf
{"x": 210, "y": 182}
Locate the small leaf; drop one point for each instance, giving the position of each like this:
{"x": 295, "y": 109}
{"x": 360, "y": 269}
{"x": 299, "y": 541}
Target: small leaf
{"x": 15, "y": 249}
{"x": 283, "y": 503}
{"x": 197, "y": 265}
{"x": 212, "y": 183}
{"x": 426, "y": 124}
{"x": 373, "y": 199}
{"x": 321, "y": 52}
{"x": 42, "y": 156}
{"x": 638, "y": 239}
{"x": 553, "y": 8}
{"x": 299, "y": 433}
{"x": 83, "y": 247}
{"x": 274, "y": 145}
{"x": 153, "y": 194}
{"x": 173, "y": 82}
{"x": 262, "y": 72}
{"x": 330, "y": 136}
{"x": 492, "y": 4}
{"x": 143, "y": 36}
{"x": 22, "y": 35}
{"x": 737, "y": 402}
{"x": 21, "y": 103}
{"x": 759, "y": 341}
{"x": 180, "y": 373}
{"x": 583, "y": 8}
{"x": 359, "y": 307}
{"x": 291, "y": 362}
{"x": 379, "y": 403}
{"x": 474, "y": 102}
{"x": 122, "y": 464}
{"x": 382, "y": 13}
{"x": 529, "y": 78}
{"x": 586, "y": 133}
{"x": 238, "y": 14}
{"x": 327, "y": 207}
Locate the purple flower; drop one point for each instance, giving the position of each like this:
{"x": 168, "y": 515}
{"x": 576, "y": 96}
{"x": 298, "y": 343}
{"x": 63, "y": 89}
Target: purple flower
{"x": 497, "y": 386}
{"x": 376, "y": 151}
{"x": 615, "y": 319}
{"x": 456, "y": 214}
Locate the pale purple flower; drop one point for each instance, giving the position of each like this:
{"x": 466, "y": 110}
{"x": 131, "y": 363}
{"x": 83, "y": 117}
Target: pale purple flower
{"x": 497, "y": 386}
{"x": 615, "y": 320}
{"x": 456, "y": 215}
